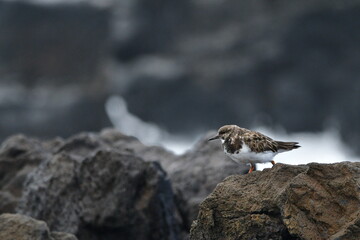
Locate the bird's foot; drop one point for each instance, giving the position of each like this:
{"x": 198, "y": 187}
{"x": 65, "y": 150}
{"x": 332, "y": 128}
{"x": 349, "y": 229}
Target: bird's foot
{"x": 252, "y": 168}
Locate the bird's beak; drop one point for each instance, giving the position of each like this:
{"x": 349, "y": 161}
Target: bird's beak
{"x": 213, "y": 138}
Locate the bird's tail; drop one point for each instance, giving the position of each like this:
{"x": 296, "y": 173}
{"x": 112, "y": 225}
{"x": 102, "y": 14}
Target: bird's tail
{"x": 287, "y": 146}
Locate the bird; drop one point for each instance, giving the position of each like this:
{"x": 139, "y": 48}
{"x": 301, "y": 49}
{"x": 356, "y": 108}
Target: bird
{"x": 250, "y": 147}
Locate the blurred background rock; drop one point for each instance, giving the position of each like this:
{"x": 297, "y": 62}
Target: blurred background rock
{"x": 185, "y": 66}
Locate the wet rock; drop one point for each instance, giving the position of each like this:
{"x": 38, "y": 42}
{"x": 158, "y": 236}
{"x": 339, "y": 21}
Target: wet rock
{"x": 20, "y": 227}
{"x": 314, "y": 201}
{"x": 94, "y": 190}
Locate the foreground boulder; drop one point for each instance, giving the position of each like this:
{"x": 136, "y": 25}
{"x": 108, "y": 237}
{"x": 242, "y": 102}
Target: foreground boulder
{"x": 60, "y": 169}
{"x": 193, "y": 175}
{"x": 97, "y": 192}
{"x": 314, "y": 201}
{"x": 19, "y": 227}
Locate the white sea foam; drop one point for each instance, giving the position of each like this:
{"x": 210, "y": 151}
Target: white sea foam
{"x": 148, "y": 133}
{"x": 322, "y": 147}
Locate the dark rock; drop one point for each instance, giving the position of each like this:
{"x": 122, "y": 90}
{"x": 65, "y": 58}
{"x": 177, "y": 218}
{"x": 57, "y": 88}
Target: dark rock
{"x": 62, "y": 173}
{"x": 62, "y": 236}
{"x": 19, "y": 227}
{"x": 19, "y": 156}
{"x": 193, "y": 175}
{"x": 109, "y": 185}
{"x": 65, "y": 177}
{"x": 314, "y": 201}
{"x": 96, "y": 191}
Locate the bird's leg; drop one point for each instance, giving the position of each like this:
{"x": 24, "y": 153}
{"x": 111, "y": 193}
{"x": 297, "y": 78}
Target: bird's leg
{"x": 252, "y": 168}
{"x": 273, "y": 162}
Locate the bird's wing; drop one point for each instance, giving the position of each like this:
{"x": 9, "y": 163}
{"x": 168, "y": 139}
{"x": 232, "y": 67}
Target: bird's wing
{"x": 258, "y": 142}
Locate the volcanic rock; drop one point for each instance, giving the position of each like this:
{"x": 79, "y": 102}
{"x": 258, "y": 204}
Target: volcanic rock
{"x": 314, "y": 201}
{"x": 96, "y": 191}
{"x": 62, "y": 170}
{"x": 19, "y": 227}
{"x": 19, "y": 155}
{"x": 193, "y": 175}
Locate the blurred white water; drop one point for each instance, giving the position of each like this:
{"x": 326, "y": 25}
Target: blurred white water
{"x": 322, "y": 147}
{"x": 148, "y": 133}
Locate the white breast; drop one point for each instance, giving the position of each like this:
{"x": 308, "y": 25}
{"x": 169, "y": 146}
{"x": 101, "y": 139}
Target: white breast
{"x": 245, "y": 155}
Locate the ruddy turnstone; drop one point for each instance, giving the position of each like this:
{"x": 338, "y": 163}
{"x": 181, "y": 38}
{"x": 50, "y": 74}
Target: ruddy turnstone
{"x": 249, "y": 147}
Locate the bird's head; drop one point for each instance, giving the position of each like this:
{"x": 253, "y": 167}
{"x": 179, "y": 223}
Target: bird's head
{"x": 223, "y": 132}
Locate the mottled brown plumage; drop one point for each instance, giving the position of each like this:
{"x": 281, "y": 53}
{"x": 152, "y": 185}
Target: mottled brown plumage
{"x": 248, "y": 146}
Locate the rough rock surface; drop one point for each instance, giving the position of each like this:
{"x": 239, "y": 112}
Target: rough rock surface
{"x": 193, "y": 175}
{"x": 98, "y": 192}
{"x": 20, "y": 227}
{"x": 19, "y": 155}
{"x": 314, "y": 201}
